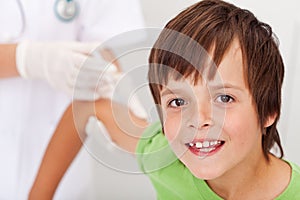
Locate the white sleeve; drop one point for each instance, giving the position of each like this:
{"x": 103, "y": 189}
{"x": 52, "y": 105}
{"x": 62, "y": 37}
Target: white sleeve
{"x": 102, "y": 19}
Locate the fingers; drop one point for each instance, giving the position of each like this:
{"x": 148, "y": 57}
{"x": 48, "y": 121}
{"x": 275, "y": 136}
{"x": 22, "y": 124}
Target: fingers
{"x": 85, "y": 48}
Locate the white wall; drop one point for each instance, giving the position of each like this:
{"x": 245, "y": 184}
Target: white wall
{"x": 157, "y": 13}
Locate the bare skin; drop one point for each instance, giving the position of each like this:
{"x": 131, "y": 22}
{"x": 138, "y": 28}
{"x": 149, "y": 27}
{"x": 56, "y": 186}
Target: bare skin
{"x": 8, "y": 61}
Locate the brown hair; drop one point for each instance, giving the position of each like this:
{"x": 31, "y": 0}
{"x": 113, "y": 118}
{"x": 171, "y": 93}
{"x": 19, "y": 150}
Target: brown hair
{"x": 213, "y": 24}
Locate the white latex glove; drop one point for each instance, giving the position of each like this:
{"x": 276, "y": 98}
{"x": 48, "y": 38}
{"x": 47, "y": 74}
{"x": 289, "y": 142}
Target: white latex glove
{"x": 94, "y": 127}
{"x": 116, "y": 89}
{"x": 107, "y": 82}
{"x": 121, "y": 90}
{"x": 59, "y": 63}
{"x": 97, "y": 75}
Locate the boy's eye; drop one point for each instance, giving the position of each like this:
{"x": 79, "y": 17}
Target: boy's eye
{"x": 177, "y": 103}
{"x": 224, "y": 99}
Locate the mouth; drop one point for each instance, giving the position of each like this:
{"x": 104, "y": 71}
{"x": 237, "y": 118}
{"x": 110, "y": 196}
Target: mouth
{"x": 205, "y": 147}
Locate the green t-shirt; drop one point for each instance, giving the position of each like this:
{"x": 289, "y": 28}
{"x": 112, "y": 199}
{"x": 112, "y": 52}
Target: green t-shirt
{"x": 172, "y": 180}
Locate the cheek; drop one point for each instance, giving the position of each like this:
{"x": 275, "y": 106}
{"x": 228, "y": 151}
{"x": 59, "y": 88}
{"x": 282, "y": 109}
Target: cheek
{"x": 234, "y": 126}
{"x": 241, "y": 128}
{"x": 172, "y": 125}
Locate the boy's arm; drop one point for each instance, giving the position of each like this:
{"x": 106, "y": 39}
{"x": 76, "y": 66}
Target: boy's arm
{"x": 124, "y": 130}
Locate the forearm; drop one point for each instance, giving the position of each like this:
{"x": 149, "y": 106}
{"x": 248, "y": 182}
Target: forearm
{"x": 61, "y": 151}
{"x": 8, "y": 61}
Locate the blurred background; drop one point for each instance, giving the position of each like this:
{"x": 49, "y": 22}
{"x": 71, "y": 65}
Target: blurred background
{"x": 113, "y": 182}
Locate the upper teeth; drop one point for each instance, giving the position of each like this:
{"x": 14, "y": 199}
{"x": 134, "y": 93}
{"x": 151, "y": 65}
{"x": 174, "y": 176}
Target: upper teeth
{"x": 205, "y": 144}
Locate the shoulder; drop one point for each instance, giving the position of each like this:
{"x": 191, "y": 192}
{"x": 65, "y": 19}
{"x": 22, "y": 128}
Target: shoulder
{"x": 292, "y": 191}
{"x": 153, "y": 151}
{"x": 152, "y": 132}
{"x": 295, "y": 174}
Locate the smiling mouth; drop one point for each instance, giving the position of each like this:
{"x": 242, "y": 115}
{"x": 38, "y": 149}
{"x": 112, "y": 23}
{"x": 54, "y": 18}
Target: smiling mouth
{"x": 205, "y": 147}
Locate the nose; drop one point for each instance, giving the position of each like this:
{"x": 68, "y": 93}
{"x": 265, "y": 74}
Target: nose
{"x": 201, "y": 116}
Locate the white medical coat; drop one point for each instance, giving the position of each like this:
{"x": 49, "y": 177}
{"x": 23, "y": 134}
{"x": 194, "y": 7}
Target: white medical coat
{"x": 31, "y": 109}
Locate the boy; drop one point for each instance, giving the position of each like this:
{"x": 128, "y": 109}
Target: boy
{"x": 216, "y": 74}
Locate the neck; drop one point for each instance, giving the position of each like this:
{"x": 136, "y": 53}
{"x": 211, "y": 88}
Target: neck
{"x": 250, "y": 180}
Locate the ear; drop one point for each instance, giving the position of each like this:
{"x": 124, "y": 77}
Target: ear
{"x": 270, "y": 120}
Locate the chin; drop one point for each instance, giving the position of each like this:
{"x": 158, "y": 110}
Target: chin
{"x": 205, "y": 173}
{"x": 206, "y": 176}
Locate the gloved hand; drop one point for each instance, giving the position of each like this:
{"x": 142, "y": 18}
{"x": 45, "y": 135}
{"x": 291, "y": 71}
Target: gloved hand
{"x": 122, "y": 90}
{"x": 119, "y": 89}
{"x": 94, "y": 127}
{"x": 59, "y": 63}
{"x": 108, "y": 82}
{"x": 99, "y": 78}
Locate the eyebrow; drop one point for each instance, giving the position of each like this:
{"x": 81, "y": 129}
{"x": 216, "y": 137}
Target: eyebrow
{"x": 167, "y": 91}
{"x": 226, "y": 86}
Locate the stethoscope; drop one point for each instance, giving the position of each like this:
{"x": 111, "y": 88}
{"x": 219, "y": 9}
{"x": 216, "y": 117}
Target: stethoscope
{"x": 65, "y": 10}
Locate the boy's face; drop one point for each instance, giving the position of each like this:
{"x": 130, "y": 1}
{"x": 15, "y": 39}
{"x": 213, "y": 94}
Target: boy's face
{"x": 213, "y": 126}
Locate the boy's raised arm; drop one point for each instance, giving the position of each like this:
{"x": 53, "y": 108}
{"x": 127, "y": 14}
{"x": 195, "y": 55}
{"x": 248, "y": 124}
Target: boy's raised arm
{"x": 123, "y": 127}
